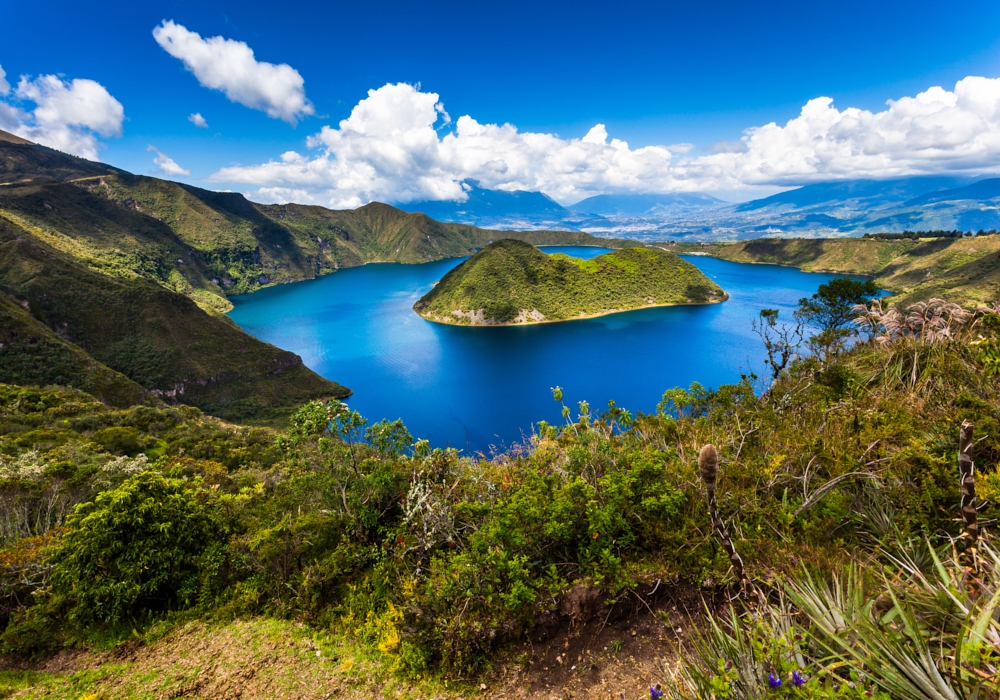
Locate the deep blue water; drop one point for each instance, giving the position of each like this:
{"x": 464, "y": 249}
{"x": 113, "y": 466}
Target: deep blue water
{"x": 476, "y": 387}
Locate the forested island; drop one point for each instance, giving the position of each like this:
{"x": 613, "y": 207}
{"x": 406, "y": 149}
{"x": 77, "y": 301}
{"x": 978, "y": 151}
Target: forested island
{"x": 511, "y": 282}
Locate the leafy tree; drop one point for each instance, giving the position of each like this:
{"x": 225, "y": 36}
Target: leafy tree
{"x": 389, "y": 437}
{"x": 133, "y": 550}
{"x": 831, "y": 309}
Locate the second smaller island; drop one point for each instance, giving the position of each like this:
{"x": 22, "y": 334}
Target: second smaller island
{"x": 511, "y": 282}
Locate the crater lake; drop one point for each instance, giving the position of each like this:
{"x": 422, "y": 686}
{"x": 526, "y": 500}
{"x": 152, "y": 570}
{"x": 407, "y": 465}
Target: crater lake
{"x": 482, "y": 388}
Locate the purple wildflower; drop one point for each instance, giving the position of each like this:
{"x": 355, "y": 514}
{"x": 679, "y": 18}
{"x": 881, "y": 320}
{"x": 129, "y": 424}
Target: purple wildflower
{"x": 798, "y": 679}
{"x": 655, "y": 693}
{"x": 773, "y": 681}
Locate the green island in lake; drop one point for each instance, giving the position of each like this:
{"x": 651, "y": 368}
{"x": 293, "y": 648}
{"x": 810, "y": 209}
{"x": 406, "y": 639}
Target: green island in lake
{"x": 511, "y": 282}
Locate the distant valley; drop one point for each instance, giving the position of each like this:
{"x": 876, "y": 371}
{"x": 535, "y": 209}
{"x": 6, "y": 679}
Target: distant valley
{"x": 839, "y": 209}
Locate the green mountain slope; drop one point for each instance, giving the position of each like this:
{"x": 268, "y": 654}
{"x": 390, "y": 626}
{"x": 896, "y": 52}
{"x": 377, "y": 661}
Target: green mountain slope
{"x": 23, "y": 161}
{"x": 964, "y": 270}
{"x": 157, "y": 338}
{"x": 512, "y": 282}
{"x": 31, "y": 353}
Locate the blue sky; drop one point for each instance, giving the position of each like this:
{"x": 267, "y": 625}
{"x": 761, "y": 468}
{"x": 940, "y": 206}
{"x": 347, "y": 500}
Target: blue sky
{"x": 654, "y": 74}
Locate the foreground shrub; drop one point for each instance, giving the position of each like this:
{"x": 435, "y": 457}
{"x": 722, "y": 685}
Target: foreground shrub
{"x": 133, "y": 550}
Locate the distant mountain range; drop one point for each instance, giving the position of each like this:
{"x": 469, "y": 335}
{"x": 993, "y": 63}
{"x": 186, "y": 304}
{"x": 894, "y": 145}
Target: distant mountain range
{"x": 846, "y": 208}
{"x": 619, "y": 205}
{"x": 523, "y": 210}
{"x": 485, "y": 208}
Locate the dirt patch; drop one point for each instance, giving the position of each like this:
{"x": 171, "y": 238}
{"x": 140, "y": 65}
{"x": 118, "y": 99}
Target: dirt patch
{"x": 590, "y": 650}
{"x": 603, "y": 651}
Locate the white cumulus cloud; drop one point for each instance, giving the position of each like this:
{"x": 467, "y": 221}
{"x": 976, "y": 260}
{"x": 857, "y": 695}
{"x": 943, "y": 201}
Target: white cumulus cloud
{"x": 198, "y": 120}
{"x": 67, "y": 115}
{"x": 937, "y": 131}
{"x": 167, "y": 164}
{"x": 230, "y": 67}
{"x": 394, "y": 147}
{"x": 389, "y": 149}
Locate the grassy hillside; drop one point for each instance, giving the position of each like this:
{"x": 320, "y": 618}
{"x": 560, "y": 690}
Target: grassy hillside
{"x": 23, "y": 161}
{"x": 965, "y": 270}
{"x": 512, "y": 281}
{"x": 31, "y": 353}
{"x": 158, "y": 338}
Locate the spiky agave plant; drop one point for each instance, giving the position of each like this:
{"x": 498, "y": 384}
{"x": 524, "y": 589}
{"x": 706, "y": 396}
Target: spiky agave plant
{"x": 925, "y": 637}
{"x": 765, "y": 652}
{"x": 936, "y": 634}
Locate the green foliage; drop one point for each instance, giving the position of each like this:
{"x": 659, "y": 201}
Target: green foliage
{"x": 32, "y": 354}
{"x": 141, "y": 362}
{"x": 831, "y": 308}
{"x": 920, "y": 631}
{"x": 513, "y": 282}
{"x": 132, "y": 551}
{"x": 389, "y": 438}
{"x": 757, "y": 655}
{"x": 439, "y": 560}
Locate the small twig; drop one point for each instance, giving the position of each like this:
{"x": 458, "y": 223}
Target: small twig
{"x": 603, "y": 625}
{"x": 644, "y": 603}
{"x": 870, "y": 447}
{"x": 826, "y": 414}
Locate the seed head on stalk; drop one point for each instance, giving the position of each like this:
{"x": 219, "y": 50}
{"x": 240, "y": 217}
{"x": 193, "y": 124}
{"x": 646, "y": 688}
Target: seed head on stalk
{"x": 708, "y": 465}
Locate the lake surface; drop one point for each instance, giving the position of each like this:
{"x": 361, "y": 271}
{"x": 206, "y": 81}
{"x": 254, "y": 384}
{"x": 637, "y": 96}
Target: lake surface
{"x": 471, "y": 388}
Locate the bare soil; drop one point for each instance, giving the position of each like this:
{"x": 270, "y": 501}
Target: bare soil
{"x": 584, "y": 650}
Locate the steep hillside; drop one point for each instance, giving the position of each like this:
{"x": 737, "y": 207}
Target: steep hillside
{"x": 31, "y": 353}
{"x": 966, "y": 270}
{"x": 24, "y": 161}
{"x": 158, "y": 338}
{"x": 511, "y": 282}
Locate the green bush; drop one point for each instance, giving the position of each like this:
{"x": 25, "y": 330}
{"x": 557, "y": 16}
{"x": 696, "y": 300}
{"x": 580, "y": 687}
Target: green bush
{"x": 133, "y": 551}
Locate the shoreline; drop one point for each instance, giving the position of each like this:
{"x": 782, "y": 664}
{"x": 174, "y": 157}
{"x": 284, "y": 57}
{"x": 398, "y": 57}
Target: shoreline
{"x": 777, "y": 264}
{"x": 567, "y": 320}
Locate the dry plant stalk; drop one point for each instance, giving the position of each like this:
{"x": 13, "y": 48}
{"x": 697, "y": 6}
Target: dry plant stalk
{"x": 708, "y": 465}
{"x": 970, "y": 515}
